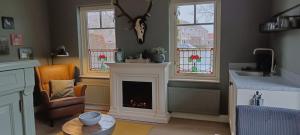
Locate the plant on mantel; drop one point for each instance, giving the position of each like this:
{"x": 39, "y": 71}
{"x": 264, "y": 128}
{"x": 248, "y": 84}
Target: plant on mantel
{"x": 159, "y": 55}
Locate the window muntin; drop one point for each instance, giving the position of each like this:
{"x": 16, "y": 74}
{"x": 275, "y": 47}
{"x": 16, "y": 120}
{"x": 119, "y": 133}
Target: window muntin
{"x": 195, "y": 39}
{"x": 101, "y": 39}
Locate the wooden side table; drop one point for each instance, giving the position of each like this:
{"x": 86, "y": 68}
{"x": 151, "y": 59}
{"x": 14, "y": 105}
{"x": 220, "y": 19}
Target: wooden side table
{"x": 105, "y": 127}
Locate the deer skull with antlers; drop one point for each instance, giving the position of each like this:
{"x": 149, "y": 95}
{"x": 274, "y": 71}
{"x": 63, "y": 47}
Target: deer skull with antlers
{"x": 138, "y": 23}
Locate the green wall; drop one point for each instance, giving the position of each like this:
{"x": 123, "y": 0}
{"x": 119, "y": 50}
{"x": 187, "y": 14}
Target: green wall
{"x": 287, "y": 44}
{"x": 64, "y": 26}
{"x": 63, "y": 15}
{"x": 239, "y": 33}
{"x": 157, "y": 34}
{"x": 31, "y": 20}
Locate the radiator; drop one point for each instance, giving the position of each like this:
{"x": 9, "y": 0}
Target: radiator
{"x": 191, "y": 100}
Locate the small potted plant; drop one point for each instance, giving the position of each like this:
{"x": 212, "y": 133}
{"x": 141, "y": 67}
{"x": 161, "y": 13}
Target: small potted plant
{"x": 159, "y": 55}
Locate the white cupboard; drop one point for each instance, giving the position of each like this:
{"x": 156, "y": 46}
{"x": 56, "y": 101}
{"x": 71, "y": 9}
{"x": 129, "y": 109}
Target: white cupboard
{"x": 281, "y": 99}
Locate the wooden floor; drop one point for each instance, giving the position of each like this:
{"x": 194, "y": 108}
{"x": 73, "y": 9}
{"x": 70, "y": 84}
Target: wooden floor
{"x": 190, "y": 127}
{"x": 174, "y": 127}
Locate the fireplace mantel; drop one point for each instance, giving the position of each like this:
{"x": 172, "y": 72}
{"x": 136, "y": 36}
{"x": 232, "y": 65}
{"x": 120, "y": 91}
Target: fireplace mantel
{"x": 156, "y": 73}
{"x": 112, "y": 65}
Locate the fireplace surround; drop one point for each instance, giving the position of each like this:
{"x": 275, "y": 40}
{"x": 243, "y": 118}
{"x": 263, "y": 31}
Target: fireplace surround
{"x": 139, "y": 91}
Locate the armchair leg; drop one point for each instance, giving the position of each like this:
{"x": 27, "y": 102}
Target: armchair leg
{"x": 51, "y": 123}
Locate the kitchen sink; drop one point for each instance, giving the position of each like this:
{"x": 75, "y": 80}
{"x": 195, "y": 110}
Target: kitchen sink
{"x": 244, "y": 73}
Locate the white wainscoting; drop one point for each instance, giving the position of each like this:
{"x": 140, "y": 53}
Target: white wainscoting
{"x": 97, "y": 93}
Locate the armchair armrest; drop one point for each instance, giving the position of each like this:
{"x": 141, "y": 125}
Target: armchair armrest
{"x": 45, "y": 97}
{"x": 80, "y": 90}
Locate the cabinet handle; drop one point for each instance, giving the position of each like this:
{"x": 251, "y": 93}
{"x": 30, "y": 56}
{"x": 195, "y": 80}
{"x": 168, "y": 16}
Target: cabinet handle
{"x": 21, "y": 106}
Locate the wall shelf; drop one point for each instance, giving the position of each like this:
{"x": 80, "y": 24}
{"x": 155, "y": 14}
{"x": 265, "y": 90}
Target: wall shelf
{"x": 281, "y": 22}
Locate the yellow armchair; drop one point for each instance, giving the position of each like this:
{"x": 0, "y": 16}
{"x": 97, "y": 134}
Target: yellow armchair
{"x": 54, "y": 109}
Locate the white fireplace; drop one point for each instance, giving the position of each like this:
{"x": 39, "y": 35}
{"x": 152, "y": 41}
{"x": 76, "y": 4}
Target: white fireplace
{"x": 139, "y": 91}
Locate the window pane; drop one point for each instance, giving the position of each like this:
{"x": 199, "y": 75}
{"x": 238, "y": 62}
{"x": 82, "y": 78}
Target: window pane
{"x": 93, "y": 19}
{"x": 195, "y": 36}
{"x": 205, "y": 13}
{"x": 108, "y": 19}
{"x": 185, "y": 14}
{"x": 195, "y": 60}
{"x": 101, "y": 48}
{"x": 98, "y": 58}
{"x": 102, "y": 39}
{"x": 195, "y": 46}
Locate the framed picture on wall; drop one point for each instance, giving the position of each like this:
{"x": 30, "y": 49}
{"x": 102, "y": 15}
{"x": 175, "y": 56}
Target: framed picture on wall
{"x": 8, "y": 22}
{"x": 17, "y": 39}
{"x": 25, "y": 53}
{"x": 4, "y": 46}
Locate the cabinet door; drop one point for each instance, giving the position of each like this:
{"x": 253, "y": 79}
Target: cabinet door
{"x": 10, "y": 115}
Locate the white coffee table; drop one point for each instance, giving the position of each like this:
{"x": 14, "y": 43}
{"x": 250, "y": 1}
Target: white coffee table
{"x": 105, "y": 127}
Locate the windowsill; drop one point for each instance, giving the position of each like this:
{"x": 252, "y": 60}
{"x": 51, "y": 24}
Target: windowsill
{"x": 194, "y": 80}
{"x": 171, "y": 79}
{"x": 95, "y": 76}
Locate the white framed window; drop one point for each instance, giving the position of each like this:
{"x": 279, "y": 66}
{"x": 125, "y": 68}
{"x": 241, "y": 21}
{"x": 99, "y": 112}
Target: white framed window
{"x": 195, "y": 40}
{"x": 98, "y": 40}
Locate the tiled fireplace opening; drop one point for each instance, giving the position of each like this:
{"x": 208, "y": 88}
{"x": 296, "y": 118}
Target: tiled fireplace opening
{"x": 137, "y": 94}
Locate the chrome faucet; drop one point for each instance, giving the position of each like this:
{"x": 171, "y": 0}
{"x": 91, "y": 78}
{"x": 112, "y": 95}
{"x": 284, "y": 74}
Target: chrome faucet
{"x": 273, "y": 54}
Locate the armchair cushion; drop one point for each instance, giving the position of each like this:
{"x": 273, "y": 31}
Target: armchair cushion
{"x": 61, "y": 88}
{"x": 54, "y": 72}
{"x": 62, "y": 102}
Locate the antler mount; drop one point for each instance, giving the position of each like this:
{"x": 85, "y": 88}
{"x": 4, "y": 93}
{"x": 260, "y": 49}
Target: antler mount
{"x": 138, "y": 23}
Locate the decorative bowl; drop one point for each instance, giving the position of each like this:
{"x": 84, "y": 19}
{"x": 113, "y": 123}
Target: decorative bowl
{"x": 90, "y": 118}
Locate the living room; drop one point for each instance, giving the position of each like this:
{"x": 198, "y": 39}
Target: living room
{"x": 204, "y": 63}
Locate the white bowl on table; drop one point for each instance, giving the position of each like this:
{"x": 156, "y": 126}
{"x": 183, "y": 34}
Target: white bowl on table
{"x": 90, "y": 118}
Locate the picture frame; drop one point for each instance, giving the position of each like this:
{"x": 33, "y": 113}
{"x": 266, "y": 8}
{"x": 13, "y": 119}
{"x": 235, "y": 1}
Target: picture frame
{"x": 17, "y": 39}
{"x": 8, "y": 23}
{"x": 25, "y": 53}
{"x": 4, "y": 46}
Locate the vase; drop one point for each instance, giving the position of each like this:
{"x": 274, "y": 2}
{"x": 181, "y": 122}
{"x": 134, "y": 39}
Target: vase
{"x": 159, "y": 58}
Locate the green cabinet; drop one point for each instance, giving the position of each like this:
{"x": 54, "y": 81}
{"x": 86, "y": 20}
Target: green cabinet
{"x": 16, "y": 100}
{"x": 10, "y": 115}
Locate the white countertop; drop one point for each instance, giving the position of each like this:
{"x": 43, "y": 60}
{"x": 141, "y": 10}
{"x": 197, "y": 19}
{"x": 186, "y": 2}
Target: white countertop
{"x": 273, "y": 83}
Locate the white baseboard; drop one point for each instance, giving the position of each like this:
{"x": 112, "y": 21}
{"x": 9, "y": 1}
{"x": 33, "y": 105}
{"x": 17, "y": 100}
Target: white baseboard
{"x": 214, "y": 118}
